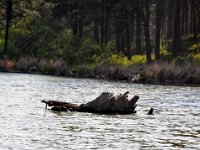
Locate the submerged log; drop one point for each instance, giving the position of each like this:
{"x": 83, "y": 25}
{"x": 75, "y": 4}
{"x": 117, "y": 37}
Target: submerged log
{"x": 105, "y": 103}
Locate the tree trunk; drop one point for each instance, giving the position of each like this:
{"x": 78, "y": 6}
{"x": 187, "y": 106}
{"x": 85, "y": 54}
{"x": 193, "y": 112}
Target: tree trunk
{"x": 194, "y": 18}
{"x": 81, "y": 18}
{"x": 128, "y": 43}
{"x": 122, "y": 42}
{"x": 170, "y": 20}
{"x": 186, "y": 30}
{"x": 198, "y": 17}
{"x": 75, "y": 19}
{"x": 191, "y": 16}
{"x": 158, "y": 28}
{"x": 127, "y": 34}
{"x": 96, "y": 31}
{"x": 132, "y": 26}
{"x": 183, "y": 17}
{"x": 102, "y": 32}
{"x": 122, "y": 28}
{"x": 107, "y": 22}
{"x": 75, "y": 27}
{"x": 138, "y": 28}
{"x": 177, "y": 31}
{"x": 80, "y": 27}
{"x": 146, "y": 17}
{"x": 8, "y": 19}
{"x": 117, "y": 40}
{"x": 102, "y": 22}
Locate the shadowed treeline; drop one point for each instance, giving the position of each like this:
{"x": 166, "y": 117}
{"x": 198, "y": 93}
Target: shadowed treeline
{"x": 58, "y": 36}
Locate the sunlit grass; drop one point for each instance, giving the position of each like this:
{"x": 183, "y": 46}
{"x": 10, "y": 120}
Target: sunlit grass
{"x": 122, "y": 60}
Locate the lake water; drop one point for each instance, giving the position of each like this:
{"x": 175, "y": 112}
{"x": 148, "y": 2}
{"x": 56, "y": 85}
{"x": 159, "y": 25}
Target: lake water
{"x": 25, "y": 124}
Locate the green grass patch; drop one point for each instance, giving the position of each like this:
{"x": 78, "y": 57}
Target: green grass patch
{"x": 122, "y": 60}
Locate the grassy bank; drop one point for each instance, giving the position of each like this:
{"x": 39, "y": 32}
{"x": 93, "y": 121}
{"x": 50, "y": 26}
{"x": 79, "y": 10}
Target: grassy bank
{"x": 179, "y": 71}
{"x": 34, "y": 66}
{"x": 155, "y": 73}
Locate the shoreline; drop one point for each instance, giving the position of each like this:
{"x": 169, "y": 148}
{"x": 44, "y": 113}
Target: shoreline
{"x": 156, "y": 73}
{"x": 146, "y": 82}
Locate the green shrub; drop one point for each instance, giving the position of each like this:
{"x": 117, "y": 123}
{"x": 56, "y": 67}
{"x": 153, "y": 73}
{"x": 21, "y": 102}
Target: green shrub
{"x": 179, "y": 60}
{"x": 12, "y": 49}
{"x": 164, "y": 52}
{"x": 165, "y": 55}
{"x": 121, "y": 60}
{"x": 193, "y": 48}
{"x": 138, "y": 59}
{"x": 89, "y": 48}
{"x": 77, "y": 51}
{"x": 196, "y": 57}
{"x": 118, "y": 59}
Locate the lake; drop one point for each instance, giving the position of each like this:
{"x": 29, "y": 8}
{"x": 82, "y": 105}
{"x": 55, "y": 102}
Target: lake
{"x": 25, "y": 124}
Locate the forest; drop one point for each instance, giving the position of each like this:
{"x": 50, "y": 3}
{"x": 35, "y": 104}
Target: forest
{"x": 135, "y": 40}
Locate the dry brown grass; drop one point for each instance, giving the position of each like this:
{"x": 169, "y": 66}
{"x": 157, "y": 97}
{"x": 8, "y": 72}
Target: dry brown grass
{"x": 2, "y": 64}
{"x": 8, "y": 64}
{"x": 110, "y": 72}
{"x": 164, "y": 72}
{"x": 83, "y": 71}
{"x": 24, "y": 63}
{"x": 44, "y": 66}
{"x": 53, "y": 66}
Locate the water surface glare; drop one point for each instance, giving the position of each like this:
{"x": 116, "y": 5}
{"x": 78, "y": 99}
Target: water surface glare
{"x": 25, "y": 124}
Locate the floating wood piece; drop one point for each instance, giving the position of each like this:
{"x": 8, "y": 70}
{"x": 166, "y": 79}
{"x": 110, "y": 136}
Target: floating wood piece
{"x": 105, "y": 103}
{"x": 60, "y": 106}
{"x": 151, "y": 112}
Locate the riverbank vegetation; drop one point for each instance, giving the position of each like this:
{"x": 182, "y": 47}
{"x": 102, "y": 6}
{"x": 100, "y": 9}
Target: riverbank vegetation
{"x": 135, "y": 40}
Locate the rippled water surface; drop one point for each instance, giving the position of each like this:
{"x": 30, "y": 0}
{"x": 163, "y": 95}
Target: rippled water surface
{"x": 25, "y": 124}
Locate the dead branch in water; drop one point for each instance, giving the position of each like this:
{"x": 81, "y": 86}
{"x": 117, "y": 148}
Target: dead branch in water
{"x": 105, "y": 103}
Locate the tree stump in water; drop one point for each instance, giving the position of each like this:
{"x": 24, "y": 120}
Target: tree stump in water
{"x": 106, "y": 103}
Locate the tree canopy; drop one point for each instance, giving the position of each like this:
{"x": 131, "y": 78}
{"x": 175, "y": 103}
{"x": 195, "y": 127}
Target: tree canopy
{"x": 84, "y": 31}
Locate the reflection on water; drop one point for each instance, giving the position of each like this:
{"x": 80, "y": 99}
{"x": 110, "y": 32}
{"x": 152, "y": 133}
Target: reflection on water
{"x": 25, "y": 124}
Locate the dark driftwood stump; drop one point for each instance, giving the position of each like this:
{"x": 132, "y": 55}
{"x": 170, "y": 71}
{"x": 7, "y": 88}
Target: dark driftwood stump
{"x": 151, "y": 112}
{"x": 106, "y": 103}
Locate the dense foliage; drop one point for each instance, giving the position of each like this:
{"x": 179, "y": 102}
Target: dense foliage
{"x": 91, "y": 31}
